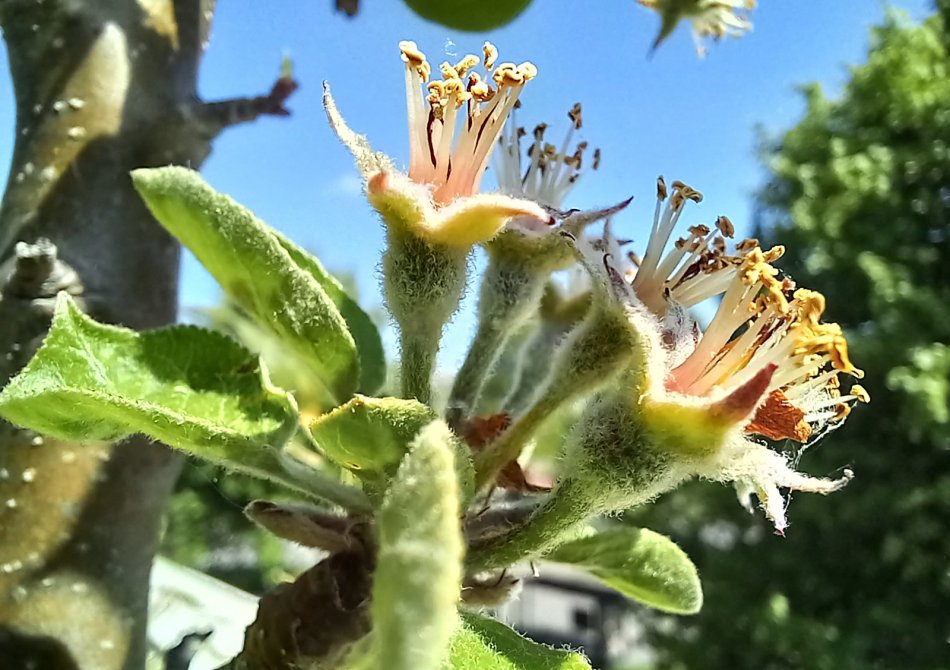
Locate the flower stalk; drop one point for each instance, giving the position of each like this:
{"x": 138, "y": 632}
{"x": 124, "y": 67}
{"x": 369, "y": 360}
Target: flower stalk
{"x": 510, "y": 292}
{"x": 522, "y": 258}
{"x": 423, "y": 285}
{"x": 557, "y": 315}
{"x": 592, "y": 356}
{"x": 434, "y": 215}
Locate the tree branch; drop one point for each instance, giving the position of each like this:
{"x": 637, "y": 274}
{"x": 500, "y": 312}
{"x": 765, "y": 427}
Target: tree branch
{"x": 100, "y": 87}
{"x": 312, "y": 621}
{"x": 217, "y": 115}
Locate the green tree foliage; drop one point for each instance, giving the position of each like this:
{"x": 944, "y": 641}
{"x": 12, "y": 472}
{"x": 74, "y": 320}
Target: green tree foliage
{"x": 859, "y": 191}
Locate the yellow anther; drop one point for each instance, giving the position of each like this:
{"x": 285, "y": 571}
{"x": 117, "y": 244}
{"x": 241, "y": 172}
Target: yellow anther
{"x": 411, "y": 53}
{"x": 687, "y": 192}
{"x": 507, "y": 74}
{"x": 415, "y": 59}
{"x": 466, "y": 64}
{"x": 577, "y": 160}
{"x": 490, "y": 54}
{"x": 775, "y": 294}
{"x": 527, "y": 71}
{"x": 660, "y": 188}
{"x": 438, "y": 95}
{"x": 774, "y": 253}
{"x": 810, "y": 306}
{"x": 860, "y": 393}
{"x": 839, "y": 357}
{"x": 454, "y": 90}
{"x": 755, "y": 270}
{"x": 481, "y": 92}
{"x": 448, "y": 72}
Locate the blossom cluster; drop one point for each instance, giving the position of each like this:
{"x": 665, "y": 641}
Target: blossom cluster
{"x": 766, "y": 367}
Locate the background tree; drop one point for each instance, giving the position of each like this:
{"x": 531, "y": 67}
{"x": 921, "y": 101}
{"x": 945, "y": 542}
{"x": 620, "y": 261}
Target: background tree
{"x": 859, "y": 191}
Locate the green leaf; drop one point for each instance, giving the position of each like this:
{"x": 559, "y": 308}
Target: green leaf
{"x": 194, "y": 389}
{"x": 256, "y": 269}
{"x": 640, "y": 564}
{"x": 364, "y": 331}
{"x": 471, "y": 15}
{"x": 370, "y": 436}
{"x": 419, "y": 569}
{"x": 481, "y": 643}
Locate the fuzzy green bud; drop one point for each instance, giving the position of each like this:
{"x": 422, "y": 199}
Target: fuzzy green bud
{"x": 423, "y": 285}
{"x": 613, "y": 459}
{"x": 557, "y": 315}
{"x": 511, "y": 289}
{"x": 611, "y": 466}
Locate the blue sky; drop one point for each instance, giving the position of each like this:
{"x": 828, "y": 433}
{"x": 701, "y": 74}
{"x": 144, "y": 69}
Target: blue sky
{"x": 674, "y": 114}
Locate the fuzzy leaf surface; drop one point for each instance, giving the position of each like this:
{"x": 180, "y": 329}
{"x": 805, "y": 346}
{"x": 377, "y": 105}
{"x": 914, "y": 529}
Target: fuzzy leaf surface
{"x": 482, "y": 643}
{"x": 370, "y": 436}
{"x": 194, "y": 389}
{"x": 419, "y": 569}
{"x": 287, "y": 291}
{"x": 640, "y": 564}
{"x": 369, "y": 344}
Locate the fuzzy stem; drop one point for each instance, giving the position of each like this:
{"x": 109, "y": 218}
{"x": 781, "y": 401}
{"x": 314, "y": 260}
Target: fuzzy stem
{"x": 423, "y": 285}
{"x": 482, "y": 355}
{"x": 511, "y": 290}
{"x": 481, "y": 358}
{"x": 612, "y": 467}
{"x": 536, "y": 355}
{"x": 315, "y": 484}
{"x": 598, "y": 351}
{"x": 554, "y": 522}
{"x": 418, "y": 363}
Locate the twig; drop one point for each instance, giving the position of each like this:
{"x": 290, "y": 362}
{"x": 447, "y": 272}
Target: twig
{"x": 218, "y": 115}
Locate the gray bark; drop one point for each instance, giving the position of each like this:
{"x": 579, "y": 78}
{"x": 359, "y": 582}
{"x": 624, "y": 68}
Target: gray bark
{"x": 102, "y": 87}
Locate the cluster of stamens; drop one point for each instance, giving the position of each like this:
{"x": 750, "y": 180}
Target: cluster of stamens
{"x": 712, "y": 19}
{"x": 454, "y": 121}
{"x": 547, "y": 172}
{"x": 762, "y": 321}
{"x": 720, "y": 18}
